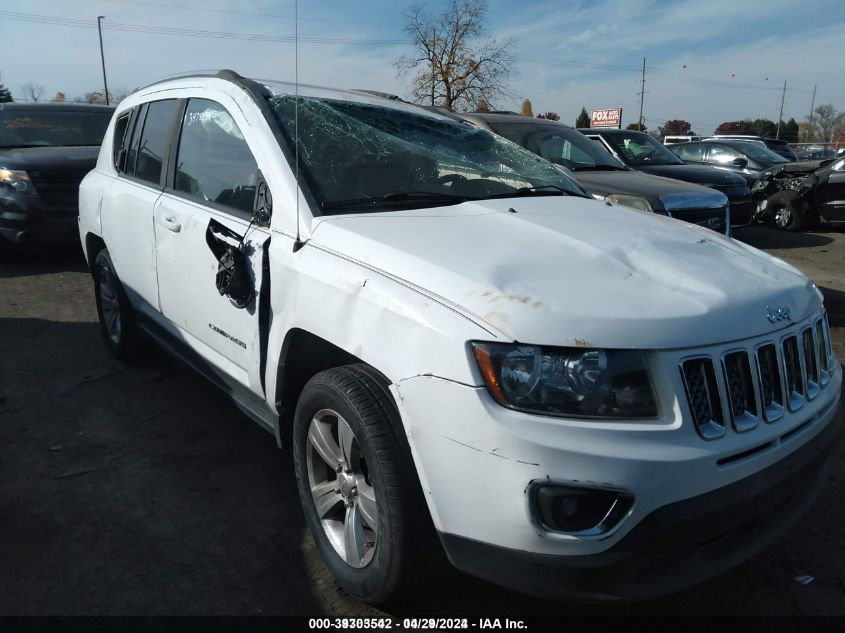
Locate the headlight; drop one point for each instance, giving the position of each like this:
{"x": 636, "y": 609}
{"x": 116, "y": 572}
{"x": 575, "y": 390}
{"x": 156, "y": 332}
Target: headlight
{"x": 567, "y": 381}
{"x": 635, "y": 202}
{"x": 18, "y": 180}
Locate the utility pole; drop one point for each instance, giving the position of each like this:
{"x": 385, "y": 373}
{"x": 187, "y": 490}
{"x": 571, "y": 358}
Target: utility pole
{"x": 810, "y": 118}
{"x": 780, "y": 116}
{"x": 102, "y": 56}
{"x": 642, "y": 97}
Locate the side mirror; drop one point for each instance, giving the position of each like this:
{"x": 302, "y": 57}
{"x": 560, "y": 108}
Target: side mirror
{"x": 740, "y": 162}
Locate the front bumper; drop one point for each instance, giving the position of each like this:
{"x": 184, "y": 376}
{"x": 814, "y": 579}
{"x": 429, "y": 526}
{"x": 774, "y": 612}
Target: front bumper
{"x": 26, "y": 218}
{"x": 478, "y": 462}
{"x": 672, "y": 549}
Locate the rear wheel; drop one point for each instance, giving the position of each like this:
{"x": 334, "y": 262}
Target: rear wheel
{"x": 117, "y": 320}
{"x": 786, "y": 211}
{"x": 358, "y": 486}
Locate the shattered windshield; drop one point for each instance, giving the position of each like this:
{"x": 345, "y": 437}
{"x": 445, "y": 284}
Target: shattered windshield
{"x": 359, "y": 156}
{"x": 638, "y": 149}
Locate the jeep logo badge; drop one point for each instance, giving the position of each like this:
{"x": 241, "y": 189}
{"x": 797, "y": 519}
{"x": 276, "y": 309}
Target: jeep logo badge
{"x": 778, "y": 314}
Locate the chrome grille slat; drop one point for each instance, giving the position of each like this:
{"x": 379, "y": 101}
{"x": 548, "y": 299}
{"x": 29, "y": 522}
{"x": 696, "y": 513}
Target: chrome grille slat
{"x": 793, "y": 374}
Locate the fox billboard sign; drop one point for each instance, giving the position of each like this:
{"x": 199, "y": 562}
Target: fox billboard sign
{"x": 609, "y": 117}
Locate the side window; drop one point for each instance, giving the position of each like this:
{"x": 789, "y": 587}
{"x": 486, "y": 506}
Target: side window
{"x": 598, "y": 142}
{"x": 214, "y": 162}
{"x": 152, "y": 150}
{"x": 132, "y": 153}
{"x": 723, "y": 155}
{"x": 121, "y": 127}
{"x": 690, "y": 151}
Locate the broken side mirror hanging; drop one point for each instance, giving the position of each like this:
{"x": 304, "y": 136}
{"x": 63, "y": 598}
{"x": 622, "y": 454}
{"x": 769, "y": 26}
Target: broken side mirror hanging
{"x": 232, "y": 278}
{"x": 263, "y": 205}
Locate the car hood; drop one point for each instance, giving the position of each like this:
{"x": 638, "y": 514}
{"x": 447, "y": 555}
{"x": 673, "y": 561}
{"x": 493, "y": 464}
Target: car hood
{"x": 37, "y": 158}
{"x": 655, "y": 189}
{"x": 803, "y": 167}
{"x": 569, "y": 271}
{"x": 699, "y": 174}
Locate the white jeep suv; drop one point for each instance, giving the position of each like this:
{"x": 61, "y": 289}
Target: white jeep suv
{"x": 465, "y": 354}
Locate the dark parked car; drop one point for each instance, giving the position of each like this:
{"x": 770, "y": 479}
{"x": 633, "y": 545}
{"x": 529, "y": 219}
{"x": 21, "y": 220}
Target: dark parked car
{"x": 601, "y": 175}
{"x": 645, "y": 153}
{"x": 778, "y": 146}
{"x": 741, "y": 157}
{"x": 45, "y": 151}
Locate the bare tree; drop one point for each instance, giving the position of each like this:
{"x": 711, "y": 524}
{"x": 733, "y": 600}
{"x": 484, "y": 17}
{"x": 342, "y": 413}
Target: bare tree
{"x": 32, "y": 92}
{"x": 455, "y": 62}
{"x": 828, "y": 121}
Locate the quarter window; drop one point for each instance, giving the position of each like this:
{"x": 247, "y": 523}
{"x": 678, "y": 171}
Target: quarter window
{"x": 723, "y": 155}
{"x": 121, "y": 129}
{"x": 214, "y": 162}
{"x": 132, "y": 154}
{"x": 152, "y": 151}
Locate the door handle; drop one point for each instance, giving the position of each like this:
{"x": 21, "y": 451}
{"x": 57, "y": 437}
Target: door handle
{"x": 171, "y": 224}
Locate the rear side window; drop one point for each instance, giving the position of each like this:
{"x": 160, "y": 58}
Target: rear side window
{"x": 152, "y": 149}
{"x": 121, "y": 141}
{"x": 214, "y": 163}
{"x": 723, "y": 155}
{"x": 132, "y": 153}
{"x": 693, "y": 152}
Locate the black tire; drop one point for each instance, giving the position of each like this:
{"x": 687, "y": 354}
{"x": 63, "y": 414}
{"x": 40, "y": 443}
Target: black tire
{"x": 405, "y": 550}
{"x": 117, "y": 320}
{"x": 786, "y": 211}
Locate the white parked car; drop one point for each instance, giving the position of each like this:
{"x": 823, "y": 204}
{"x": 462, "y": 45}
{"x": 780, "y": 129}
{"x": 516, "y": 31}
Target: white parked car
{"x": 465, "y": 354}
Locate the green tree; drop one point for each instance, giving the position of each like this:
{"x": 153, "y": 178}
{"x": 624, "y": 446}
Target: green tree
{"x": 583, "y": 119}
{"x": 676, "y": 127}
{"x": 764, "y": 128}
{"x": 735, "y": 127}
{"x": 5, "y": 93}
{"x": 789, "y": 131}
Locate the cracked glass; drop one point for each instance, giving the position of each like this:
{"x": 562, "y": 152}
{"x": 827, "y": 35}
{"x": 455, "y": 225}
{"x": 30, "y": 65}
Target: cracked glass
{"x": 358, "y": 156}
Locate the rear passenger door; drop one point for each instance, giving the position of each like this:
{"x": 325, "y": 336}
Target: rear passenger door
{"x": 207, "y": 205}
{"x": 127, "y": 207}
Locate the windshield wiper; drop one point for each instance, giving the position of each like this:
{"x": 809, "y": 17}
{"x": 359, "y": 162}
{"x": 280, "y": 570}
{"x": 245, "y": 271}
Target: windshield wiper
{"x": 600, "y": 168}
{"x": 539, "y": 190}
{"x": 397, "y": 198}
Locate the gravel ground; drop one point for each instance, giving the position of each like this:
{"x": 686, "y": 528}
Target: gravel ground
{"x": 142, "y": 490}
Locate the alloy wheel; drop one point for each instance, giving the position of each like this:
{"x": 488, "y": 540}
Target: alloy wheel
{"x": 341, "y": 488}
{"x": 110, "y": 306}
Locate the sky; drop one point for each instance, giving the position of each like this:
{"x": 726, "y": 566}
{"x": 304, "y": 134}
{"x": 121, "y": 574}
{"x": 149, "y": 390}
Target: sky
{"x": 707, "y": 61}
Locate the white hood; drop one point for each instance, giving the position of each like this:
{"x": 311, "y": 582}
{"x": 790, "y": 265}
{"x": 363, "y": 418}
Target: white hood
{"x": 567, "y": 271}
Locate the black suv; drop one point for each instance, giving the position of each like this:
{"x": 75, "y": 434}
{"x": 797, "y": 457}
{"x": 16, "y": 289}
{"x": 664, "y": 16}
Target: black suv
{"x": 45, "y": 151}
{"x": 643, "y": 152}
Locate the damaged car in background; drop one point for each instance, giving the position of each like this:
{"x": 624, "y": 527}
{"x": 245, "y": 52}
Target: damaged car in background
{"x": 464, "y": 354}
{"x": 797, "y": 195}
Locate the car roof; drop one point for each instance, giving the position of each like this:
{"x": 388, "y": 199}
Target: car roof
{"x": 52, "y": 107}
{"x": 492, "y": 117}
{"x": 609, "y": 130}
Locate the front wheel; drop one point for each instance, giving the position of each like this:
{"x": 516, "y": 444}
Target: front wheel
{"x": 786, "y": 211}
{"x": 357, "y": 484}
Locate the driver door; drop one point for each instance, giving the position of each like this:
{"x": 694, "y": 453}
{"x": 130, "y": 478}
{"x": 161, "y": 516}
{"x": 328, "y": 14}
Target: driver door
{"x": 209, "y": 202}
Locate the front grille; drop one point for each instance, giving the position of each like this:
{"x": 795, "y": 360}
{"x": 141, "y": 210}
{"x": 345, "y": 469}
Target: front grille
{"x": 58, "y": 188}
{"x": 715, "y": 219}
{"x": 758, "y": 384}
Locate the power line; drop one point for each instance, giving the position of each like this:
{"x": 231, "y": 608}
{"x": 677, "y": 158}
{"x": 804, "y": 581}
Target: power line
{"x": 161, "y": 30}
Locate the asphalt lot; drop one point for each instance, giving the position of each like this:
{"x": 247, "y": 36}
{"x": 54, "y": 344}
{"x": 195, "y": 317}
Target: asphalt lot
{"x": 142, "y": 489}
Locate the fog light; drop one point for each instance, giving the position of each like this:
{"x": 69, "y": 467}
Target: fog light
{"x": 579, "y": 511}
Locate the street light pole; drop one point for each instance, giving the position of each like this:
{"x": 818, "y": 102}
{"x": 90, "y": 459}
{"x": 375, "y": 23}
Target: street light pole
{"x": 102, "y": 56}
